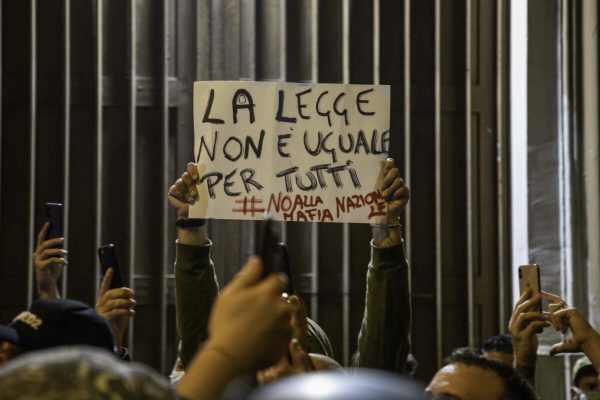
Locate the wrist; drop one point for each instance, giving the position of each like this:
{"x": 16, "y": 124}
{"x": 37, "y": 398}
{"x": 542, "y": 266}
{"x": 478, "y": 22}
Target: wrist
{"x": 591, "y": 348}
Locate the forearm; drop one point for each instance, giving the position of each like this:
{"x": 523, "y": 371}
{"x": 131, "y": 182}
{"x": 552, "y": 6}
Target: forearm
{"x": 207, "y": 376}
{"x": 384, "y": 338}
{"x": 46, "y": 285}
{"x": 196, "y": 289}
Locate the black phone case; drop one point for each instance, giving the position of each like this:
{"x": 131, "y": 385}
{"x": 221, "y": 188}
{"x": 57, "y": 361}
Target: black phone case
{"x": 284, "y": 266}
{"x": 54, "y": 213}
{"x": 267, "y": 246}
{"x": 108, "y": 258}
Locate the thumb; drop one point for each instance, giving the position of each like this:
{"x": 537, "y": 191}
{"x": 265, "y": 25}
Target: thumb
{"x": 299, "y": 358}
{"x": 106, "y": 280}
{"x": 562, "y": 347}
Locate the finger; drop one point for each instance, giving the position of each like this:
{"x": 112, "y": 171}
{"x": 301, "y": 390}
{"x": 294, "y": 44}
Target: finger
{"x": 535, "y": 327}
{"x": 532, "y": 303}
{"x": 390, "y": 177}
{"x": 526, "y": 318}
{"x": 561, "y": 318}
{"x": 106, "y": 280}
{"x": 50, "y": 243}
{"x": 118, "y": 312}
{"x": 248, "y": 276}
{"x": 120, "y": 303}
{"x": 119, "y": 293}
{"x": 275, "y": 284}
{"x": 192, "y": 169}
{"x": 53, "y": 261}
{"x": 299, "y": 358}
{"x": 552, "y": 298}
{"x": 42, "y": 235}
{"x": 47, "y": 253}
{"x": 396, "y": 183}
{"x": 179, "y": 190}
{"x": 388, "y": 164}
{"x": 563, "y": 347}
{"x": 190, "y": 187}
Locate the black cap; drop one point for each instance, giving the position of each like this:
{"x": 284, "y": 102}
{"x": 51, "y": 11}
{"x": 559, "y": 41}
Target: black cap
{"x": 51, "y": 323}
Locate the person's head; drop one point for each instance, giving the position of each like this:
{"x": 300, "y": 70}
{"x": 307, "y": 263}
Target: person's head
{"x": 79, "y": 372}
{"x": 585, "y": 376}
{"x": 52, "y": 323}
{"x": 469, "y": 376}
{"x": 499, "y": 347}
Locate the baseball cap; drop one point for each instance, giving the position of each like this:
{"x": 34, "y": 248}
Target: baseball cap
{"x": 62, "y": 322}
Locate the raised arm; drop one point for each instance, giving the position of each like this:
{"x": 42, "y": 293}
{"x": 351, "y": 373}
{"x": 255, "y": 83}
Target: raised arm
{"x": 384, "y": 337}
{"x": 196, "y": 286}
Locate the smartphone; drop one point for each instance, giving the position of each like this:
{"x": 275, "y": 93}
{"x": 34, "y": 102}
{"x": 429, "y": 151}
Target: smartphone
{"x": 267, "y": 246}
{"x": 284, "y": 266}
{"x": 54, "y": 213}
{"x": 108, "y": 259}
{"x": 529, "y": 278}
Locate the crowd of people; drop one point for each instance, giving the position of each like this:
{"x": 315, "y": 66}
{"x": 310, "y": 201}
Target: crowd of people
{"x": 249, "y": 340}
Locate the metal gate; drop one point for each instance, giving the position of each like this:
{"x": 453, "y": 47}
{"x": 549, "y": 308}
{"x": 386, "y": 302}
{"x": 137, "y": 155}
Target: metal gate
{"x": 97, "y": 114}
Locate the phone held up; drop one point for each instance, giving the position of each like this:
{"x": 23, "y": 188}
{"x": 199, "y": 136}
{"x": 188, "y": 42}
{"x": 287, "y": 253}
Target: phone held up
{"x": 108, "y": 259}
{"x": 529, "y": 278}
{"x": 54, "y": 213}
{"x": 272, "y": 252}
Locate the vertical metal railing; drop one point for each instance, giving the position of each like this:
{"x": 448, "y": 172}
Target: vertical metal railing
{"x": 503, "y": 280}
{"x": 66, "y": 130}
{"x": 99, "y": 48}
{"x": 32, "y": 143}
{"x": 438, "y": 181}
{"x": 470, "y": 164}
{"x": 314, "y": 228}
{"x": 166, "y": 180}
{"x": 407, "y": 135}
{"x": 346, "y": 226}
{"x": 132, "y": 99}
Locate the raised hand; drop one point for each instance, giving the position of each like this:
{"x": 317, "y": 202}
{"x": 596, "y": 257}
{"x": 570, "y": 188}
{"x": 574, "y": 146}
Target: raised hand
{"x": 183, "y": 192}
{"x": 524, "y": 325}
{"x": 48, "y": 262}
{"x": 116, "y": 306}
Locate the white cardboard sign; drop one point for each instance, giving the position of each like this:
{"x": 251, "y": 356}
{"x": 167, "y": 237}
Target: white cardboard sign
{"x": 301, "y": 152}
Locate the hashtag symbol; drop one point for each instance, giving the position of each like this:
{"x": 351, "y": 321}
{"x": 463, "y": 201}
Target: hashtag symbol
{"x": 249, "y": 206}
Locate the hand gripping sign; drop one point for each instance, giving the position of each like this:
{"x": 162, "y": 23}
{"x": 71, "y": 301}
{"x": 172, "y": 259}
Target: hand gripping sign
{"x": 301, "y": 152}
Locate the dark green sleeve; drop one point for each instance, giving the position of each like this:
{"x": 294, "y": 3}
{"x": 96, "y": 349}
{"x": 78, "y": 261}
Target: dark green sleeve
{"x": 196, "y": 288}
{"x": 384, "y": 337}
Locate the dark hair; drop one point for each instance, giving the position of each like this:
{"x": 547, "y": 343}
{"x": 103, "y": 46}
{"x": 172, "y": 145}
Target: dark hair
{"x": 515, "y": 386}
{"x": 586, "y": 370}
{"x": 501, "y": 343}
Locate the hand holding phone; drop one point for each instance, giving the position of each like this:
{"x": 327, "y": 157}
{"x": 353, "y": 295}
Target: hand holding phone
{"x": 108, "y": 259}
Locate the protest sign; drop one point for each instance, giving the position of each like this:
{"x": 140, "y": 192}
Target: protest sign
{"x": 301, "y": 152}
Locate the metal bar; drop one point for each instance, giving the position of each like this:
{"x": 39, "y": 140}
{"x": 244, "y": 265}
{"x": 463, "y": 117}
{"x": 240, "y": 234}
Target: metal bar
{"x": 99, "y": 126}
{"x": 132, "y": 156}
{"x": 471, "y": 251}
{"x": 346, "y": 226}
{"x": 283, "y": 70}
{"x": 501, "y": 179}
{"x": 438, "y": 183}
{"x": 407, "y": 141}
{"x": 314, "y": 229}
{"x": 166, "y": 182}
{"x": 376, "y": 42}
{"x": 32, "y": 143}
{"x": 67, "y": 131}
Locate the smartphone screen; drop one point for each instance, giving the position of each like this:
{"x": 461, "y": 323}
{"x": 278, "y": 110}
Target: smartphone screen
{"x": 108, "y": 259}
{"x": 54, "y": 213}
{"x": 529, "y": 278}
